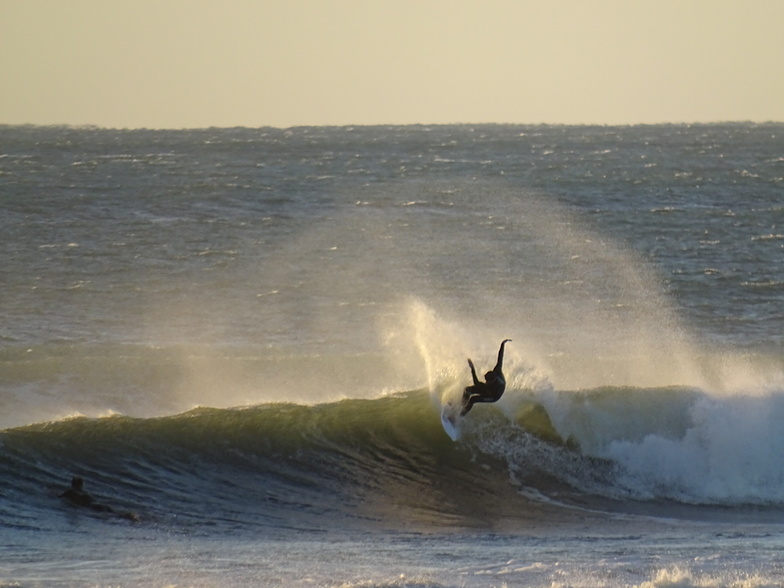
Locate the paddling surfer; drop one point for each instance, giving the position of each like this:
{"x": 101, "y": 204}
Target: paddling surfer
{"x": 78, "y": 497}
{"x": 491, "y": 389}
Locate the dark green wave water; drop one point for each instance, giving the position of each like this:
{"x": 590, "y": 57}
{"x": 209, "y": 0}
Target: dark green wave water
{"x": 381, "y": 462}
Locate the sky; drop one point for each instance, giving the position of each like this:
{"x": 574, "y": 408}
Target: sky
{"x": 282, "y": 63}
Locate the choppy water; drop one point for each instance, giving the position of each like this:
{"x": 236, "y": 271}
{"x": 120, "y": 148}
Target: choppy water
{"x": 245, "y": 335}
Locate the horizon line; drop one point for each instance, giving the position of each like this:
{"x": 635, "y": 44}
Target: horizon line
{"x": 90, "y": 126}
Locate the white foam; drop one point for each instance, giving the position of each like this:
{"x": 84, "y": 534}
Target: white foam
{"x": 730, "y": 453}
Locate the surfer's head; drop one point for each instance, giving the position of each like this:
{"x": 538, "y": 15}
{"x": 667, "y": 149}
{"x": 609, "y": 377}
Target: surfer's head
{"x": 77, "y": 483}
{"x": 490, "y": 377}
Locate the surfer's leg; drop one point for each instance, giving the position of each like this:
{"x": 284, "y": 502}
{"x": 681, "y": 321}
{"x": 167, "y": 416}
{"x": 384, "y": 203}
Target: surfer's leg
{"x": 468, "y": 403}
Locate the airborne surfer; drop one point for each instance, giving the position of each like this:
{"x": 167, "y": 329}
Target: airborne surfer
{"x": 488, "y": 391}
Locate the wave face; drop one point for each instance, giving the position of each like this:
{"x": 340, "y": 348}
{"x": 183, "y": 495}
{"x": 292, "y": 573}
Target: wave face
{"x": 276, "y": 464}
{"x": 280, "y": 465}
{"x": 386, "y": 462}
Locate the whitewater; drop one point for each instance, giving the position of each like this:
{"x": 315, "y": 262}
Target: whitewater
{"x": 245, "y": 337}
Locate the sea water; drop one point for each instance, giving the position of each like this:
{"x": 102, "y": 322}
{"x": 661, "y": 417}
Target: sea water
{"x": 244, "y": 337}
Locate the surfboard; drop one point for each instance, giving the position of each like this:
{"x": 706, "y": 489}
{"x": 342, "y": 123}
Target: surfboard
{"x": 449, "y": 420}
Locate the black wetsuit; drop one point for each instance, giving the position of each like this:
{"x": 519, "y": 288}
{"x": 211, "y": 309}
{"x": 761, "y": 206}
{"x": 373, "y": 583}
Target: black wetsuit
{"x": 78, "y": 497}
{"x": 491, "y": 389}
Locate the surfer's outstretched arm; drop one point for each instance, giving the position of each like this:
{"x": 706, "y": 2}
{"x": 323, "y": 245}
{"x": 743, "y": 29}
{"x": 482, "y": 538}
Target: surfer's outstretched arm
{"x": 473, "y": 372}
{"x": 499, "y": 366}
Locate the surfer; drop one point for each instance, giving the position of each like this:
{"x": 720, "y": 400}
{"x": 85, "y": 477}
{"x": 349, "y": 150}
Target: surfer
{"x": 491, "y": 389}
{"x": 78, "y": 497}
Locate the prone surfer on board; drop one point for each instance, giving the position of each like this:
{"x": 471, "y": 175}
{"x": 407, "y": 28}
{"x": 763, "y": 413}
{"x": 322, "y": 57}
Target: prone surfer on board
{"x": 491, "y": 389}
{"x": 78, "y": 497}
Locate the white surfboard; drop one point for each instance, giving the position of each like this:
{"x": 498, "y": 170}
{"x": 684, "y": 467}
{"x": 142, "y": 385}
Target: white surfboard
{"x": 450, "y": 416}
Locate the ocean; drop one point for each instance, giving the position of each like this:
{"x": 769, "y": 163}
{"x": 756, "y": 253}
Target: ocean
{"x": 241, "y": 340}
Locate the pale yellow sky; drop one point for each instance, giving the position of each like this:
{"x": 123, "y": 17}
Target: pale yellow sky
{"x": 197, "y": 63}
